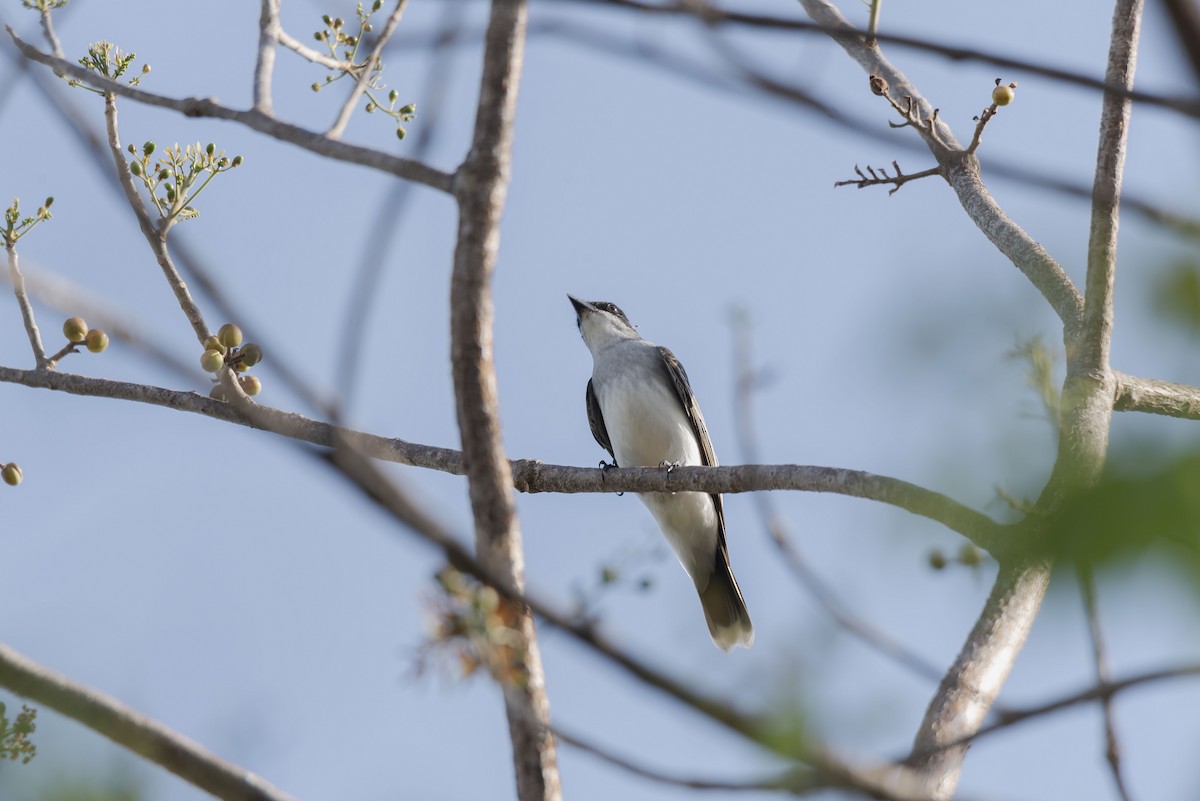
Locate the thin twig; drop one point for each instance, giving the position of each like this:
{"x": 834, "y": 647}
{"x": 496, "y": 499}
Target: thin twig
{"x": 746, "y": 381}
{"x": 1112, "y": 747}
{"x": 881, "y": 178}
{"x": 125, "y": 726}
{"x": 788, "y": 781}
{"x": 1013, "y": 717}
{"x": 253, "y": 119}
{"x": 308, "y": 53}
{"x": 51, "y": 36}
{"x": 390, "y": 216}
{"x": 366, "y": 74}
{"x": 31, "y": 328}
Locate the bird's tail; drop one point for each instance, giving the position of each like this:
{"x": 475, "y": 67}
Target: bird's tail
{"x": 725, "y": 609}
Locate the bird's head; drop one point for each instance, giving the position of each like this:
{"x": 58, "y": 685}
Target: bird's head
{"x": 602, "y": 323}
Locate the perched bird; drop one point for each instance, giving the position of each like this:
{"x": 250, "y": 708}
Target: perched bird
{"x": 642, "y": 411}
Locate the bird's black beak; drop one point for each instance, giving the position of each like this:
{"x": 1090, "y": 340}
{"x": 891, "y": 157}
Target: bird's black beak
{"x": 580, "y": 305}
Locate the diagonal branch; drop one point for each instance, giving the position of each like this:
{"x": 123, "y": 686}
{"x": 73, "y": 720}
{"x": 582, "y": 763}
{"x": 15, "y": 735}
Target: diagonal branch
{"x": 31, "y": 328}
{"x": 1112, "y": 746}
{"x": 127, "y": 727}
{"x": 960, "y": 170}
{"x": 251, "y": 118}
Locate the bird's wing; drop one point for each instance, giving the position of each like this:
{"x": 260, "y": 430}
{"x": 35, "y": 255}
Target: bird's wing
{"x": 687, "y": 398}
{"x": 596, "y": 421}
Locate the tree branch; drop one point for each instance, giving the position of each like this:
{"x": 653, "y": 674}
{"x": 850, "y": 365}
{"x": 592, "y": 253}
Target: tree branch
{"x": 253, "y": 119}
{"x": 125, "y": 726}
{"x": 960, "y": 170}
{"x": 1112, "y": 747}
{"x": 31, "y": 328}
{"x": 1133, "y": 394}
{"x": 264, "y": 65}
{"x": 480, "y": 187}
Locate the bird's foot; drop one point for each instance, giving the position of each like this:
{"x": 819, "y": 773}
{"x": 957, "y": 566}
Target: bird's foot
{"x": 604, "y": 468}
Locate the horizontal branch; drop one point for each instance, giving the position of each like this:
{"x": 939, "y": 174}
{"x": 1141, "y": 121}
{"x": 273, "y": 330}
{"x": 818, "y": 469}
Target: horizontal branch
{"x": 129, "y": 728}
{"x": 251, "y": 118}
{"x": 530, "y": 475}
{"x": 1149, "y": 395}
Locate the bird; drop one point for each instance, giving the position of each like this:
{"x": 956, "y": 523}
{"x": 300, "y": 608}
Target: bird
{"x": 642, "y": 410}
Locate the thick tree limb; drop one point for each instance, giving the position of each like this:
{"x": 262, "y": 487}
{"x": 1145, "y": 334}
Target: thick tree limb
{"x": 480, "y": 187}
{"x": 251, "y": 118}
{"x": 129, "y": 728}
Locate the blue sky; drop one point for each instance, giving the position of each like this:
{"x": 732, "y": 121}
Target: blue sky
{"x": 227, "y": 584}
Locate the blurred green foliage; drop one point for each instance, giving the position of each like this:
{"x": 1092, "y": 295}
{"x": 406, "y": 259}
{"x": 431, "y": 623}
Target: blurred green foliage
{"x": 1177, "y": 294}
{"x": 1144, "y": 503}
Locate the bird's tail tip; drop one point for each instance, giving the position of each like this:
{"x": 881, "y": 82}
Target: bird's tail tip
{"x": 725, "y": 611}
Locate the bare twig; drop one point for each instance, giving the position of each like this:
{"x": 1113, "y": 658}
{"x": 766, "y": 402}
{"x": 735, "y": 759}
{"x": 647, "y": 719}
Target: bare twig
{"x": 264, "y": 66}
{"x": 388, "y": 220}
{"x": 51, "y": 36}
{"x": 251, "y": 118}
{"x": 315, "y": 56}
{"x": 31, "y": 328}
{"x": 746, "y": 382}
{"x": 881, "y": 178}
{"x": 1112, "y": 747}
{"x": 127, "y": 727}
{"x": 785, "y": 782}
{"x": 1013, "y": 717}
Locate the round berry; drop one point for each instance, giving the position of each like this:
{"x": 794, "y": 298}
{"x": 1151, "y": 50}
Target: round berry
{"x": 11, "y": 474}
{"x": 212, "y": 360}
{"x": 230, "y": 335}
{"x": 96, "y": 340}
{"x": 75, "y": 329}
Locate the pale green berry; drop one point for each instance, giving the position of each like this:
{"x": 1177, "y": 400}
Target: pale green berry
{"x": 1002, "y": 95}
{"x": 250, "y": 384}
{"x": 11, "y": 474}
{"x": 75, "y": 329}
{"x": 230, "y": 335}
{"x": 96, "y": 340}
{"x": 251, "y": 354}
{"x": 212, "y": 360}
